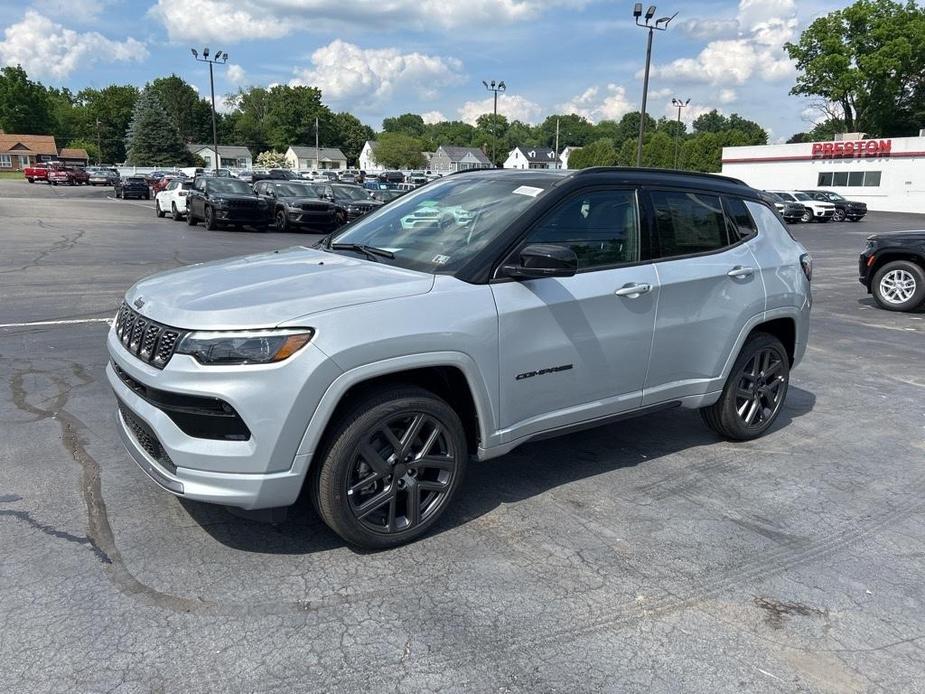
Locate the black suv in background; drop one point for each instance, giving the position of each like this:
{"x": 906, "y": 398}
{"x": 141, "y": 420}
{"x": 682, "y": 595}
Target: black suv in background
{"x": 844, "y": 209}
{"x": 792, "y": 212}
{"x": 132, "y": 187}
{"x": 219, "y": 201}
{"x": 892, "y": 267}
{"x": 353, "y": 200}
{"x": 296, "y": 204}
{"x": 275, "y": 175}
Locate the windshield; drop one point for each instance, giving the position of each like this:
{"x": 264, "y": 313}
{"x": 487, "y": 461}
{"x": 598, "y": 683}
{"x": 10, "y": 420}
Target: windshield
{"x": 229, "y": 185}
{"x": 835, "y": 197}
{"x": 801, "y": 196}
{"x": 442, "y": 226}
{"x": 295, "y": 190}
{"x": 351, "y": 193}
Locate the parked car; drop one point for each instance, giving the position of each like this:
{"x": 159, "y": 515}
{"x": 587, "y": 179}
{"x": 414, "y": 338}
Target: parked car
{"x": 246, "y": 175}
{"x": 132, "y": 187}
{"x": 36, "y": 172}
{"x": 790, "y": 210}
{"x": 391, "y": 177}
{"x": 103, "y": 177}
{"x": 296, "y": 205}
{"x": 353, "y": 200}
{"x": 386, "y": 195}
{"x": 276, "y": 175}
{"x": 219, "y": 201}
{"x": 173, "y": 198}
{"x": 161, "y": 183}
{"x": 369, "y": 369}
{"x": 844, "y": 209}
{"x": 892, "y": 268}
{"x": 68, "y": 175}
{"x": 812, "y": 209}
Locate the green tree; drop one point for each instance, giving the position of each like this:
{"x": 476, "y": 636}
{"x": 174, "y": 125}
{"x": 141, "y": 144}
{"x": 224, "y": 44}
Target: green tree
{"x": 151, "y": 138}
{"x": 454, "y": 132}
{"x": 112, "y": 107}
{"x": 598, "y": 153}
{"x": 89, "y": 145}
{"x": 574, "y": 130}
{"x": 826, "y": 130}
{"x": 23, "y": 104}
{"x": 754, "y": 133}
{"x": 491, "y": 133}
{"x": 291, "y": 114}
{"x": 712, "y": 122}
{"x": 399, "y": 151}
{"x": 190, "y": 115}
{"x": 350, "y": 135}
{"x": 407, "y": 124}
{"x": 869, "y": 60}
{"x": 628, "y": 127}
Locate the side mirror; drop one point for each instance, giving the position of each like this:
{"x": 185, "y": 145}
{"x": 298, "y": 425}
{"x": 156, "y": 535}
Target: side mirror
{"x": 543, "y": 260}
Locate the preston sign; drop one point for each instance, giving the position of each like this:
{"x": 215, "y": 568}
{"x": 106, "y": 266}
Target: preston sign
{"x": 852, "y": 148}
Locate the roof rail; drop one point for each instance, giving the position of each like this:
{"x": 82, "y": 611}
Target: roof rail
{"x": 670, "y": 172}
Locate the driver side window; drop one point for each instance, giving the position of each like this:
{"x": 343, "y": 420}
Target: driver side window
{"x": 600, "y": 226}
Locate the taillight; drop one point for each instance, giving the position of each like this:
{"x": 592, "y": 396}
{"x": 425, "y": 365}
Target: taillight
{"x": 806, "y": 262}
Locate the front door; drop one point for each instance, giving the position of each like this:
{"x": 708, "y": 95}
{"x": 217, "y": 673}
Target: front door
{"x": 576, "y": 348}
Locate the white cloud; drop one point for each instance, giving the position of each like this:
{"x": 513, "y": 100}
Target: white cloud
{"x": 755, "y": 12}
{"x": 347, "y": 73}
{"x": 231, "y": 20}
{"x": 710, "y": 28}
{"x": 511, "y": 106}
{"x": 596, "y": 104}
{"x": 433, "y": 117}
{"x": 77, "y": 10}
{"x": 691, "y": 113}
{"x": 727, "y": 96}
{"x": 47, "y": 49}
{"x": 236, "y": 74}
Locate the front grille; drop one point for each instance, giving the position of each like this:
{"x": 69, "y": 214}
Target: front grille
{"x": 146, "y": 438}
{"x": 250, "y": 204}
{"x": 150, "y": 341}
{"x": 315, "y": 207}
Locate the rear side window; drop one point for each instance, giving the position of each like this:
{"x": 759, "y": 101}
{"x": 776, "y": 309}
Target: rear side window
{"x": 767, "y": 221}
{"x": 741, "y": 224}
{"x": 688, "y": 223}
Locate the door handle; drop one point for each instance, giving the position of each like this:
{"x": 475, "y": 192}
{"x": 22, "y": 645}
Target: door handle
{"x": 740, "y": 272}
{"x": 633, "y": 290}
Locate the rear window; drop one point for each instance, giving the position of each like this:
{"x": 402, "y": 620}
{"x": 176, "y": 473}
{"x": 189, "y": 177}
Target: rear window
{"x": 688, "y": 223}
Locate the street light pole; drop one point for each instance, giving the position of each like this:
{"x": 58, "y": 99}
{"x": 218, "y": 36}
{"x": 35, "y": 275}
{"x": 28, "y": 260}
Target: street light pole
{"x": 659, "y": 25}
{"x": 495, "y": 88}
{"x": 677, "y": 135}
{"x": 99, "y": 145}
{"x": 219, "y": 58}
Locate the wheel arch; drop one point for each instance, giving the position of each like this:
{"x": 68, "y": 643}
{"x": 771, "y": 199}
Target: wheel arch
{"x": 784, "y": 329}
{"x": 891, "y": 256}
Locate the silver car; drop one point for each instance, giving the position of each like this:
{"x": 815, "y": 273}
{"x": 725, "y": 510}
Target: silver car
{"x": 514, "y": 305}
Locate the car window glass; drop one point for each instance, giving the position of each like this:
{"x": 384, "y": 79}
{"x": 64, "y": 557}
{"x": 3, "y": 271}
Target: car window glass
{"x": 766, "y": 220}
{"x": 687, "y": 223}
{"x": 741, "y": 224}
{"x": 599, "y": 226}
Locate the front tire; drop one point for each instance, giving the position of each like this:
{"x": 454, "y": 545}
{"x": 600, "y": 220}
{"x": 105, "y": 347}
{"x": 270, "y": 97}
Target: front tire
{"x": 807, "y": 216}
{"x": 157, "y": 209}
{"x": 391, "y": 467}
{"x": 209, "y": 222}
{"x": 190, "y": 219}
{"x": 839, "y": 215}
{"x": 899, "y": 286}
{"x": 175, "y": 213}
{"x": 754, "y": 392}
{"x": 282, "y": 220}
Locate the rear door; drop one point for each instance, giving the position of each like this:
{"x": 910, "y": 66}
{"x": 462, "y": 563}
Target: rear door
{"x": 576, "y": 348}
{"x": 709, "y": 287}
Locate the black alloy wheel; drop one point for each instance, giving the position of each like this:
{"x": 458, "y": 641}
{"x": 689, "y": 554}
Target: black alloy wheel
{"x": 839, "y": 215}
{"x": 392, "y": 468}
{"x": 190, "y": 219}
{"x": 282, "y": 220}
{"x": 754, "y": 392}
{"x": 209, "y": 222}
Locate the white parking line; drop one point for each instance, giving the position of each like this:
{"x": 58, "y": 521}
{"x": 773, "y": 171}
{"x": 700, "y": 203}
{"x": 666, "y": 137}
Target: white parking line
{"x": 55, "y": 322}
{"x": 129, "y": 202}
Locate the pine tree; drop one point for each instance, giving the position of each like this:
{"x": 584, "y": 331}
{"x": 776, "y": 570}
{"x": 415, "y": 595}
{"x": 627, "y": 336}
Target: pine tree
{"x": 152, "y": 138}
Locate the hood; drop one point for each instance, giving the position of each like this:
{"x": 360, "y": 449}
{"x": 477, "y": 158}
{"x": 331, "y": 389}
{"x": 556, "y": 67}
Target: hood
{"x": 297, "y": 201}
{"x": 262, "y": 291}
{"x": 362, "y": 203}
{"x": 898, "y": 236}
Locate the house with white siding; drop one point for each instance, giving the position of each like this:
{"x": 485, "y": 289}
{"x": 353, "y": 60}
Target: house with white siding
{"x": 229, "y": 156}
{"x": 448, "y": 158}
{"x": 531, "y": 158}
{"x": 566, "y": 153}
{"x": 309, "y": 159}
{"x": 367, "y": 161}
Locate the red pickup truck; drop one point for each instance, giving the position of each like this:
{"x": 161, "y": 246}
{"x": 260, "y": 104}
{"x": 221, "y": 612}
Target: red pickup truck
{"x": 68, "y": 175}
{"x": 36, "y": 172}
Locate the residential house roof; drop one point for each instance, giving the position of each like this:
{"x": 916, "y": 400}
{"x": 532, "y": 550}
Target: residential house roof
{"x": 538, "y": 155}
{"x": 372, "y": 144}
{"x": 460, "y": 153}
{"x": 73, "y": 153}
{"x": 33, "y": 144}
{"x": 227, "y": 151}
{"x": 324, "y": 153}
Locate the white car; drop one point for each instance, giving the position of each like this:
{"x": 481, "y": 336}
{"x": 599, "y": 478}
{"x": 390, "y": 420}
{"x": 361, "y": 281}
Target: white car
{"x": 172, "y": 200}
{"x": 815, "y": 209}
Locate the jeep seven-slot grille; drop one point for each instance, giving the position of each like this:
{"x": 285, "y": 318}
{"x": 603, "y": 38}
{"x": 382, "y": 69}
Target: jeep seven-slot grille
{"x": 150, "y": 341}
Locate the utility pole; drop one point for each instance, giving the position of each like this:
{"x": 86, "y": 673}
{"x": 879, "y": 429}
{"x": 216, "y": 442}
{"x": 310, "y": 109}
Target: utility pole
{"x": 495, "y": 88}
{"x": 677, "y": 134}
{"x": 99, "y": 145}
{"x": 317, "y": 149}
{"x": 557, "y": 143}
{"x": 660, "y": 25}
{"x": 220, "y": 58}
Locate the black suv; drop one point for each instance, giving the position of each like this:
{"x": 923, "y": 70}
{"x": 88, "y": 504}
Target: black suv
{"x": 844, "y": 209}
{"x": 353, "y": 200}
{"x": 275, "y": 175}
{"x": 219, "y": 201}
{"x": 132, "y": 187}
{"x": 892, "y": 267}
{"x": 296, "y": 204}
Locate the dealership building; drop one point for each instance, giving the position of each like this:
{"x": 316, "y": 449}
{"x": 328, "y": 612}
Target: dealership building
{"x": 886, "y": 173}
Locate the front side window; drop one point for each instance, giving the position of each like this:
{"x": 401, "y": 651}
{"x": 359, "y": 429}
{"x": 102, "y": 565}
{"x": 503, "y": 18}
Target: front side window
{"x": 599, "y": 226}
{"x": 688, "y": 223}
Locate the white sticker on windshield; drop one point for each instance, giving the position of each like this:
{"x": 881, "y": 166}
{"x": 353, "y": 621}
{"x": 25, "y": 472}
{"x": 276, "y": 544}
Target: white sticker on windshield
{"x": 441, "y": 259}
{"x": 528, "y": 190}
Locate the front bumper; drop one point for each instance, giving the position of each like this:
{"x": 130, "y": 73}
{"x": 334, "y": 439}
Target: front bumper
{"x": 824, "y": 214}
{"x": 243, "y": 215}
{"x": 276, "y": 402}
{"x": 313, "y": 220}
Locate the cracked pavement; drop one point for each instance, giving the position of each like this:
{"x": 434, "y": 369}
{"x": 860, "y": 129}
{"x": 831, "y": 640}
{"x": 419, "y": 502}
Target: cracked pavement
{"x": 646, "y": 556}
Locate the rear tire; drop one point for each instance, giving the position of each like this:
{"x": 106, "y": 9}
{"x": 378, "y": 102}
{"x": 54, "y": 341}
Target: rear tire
{"x": 899, "y": 286}
{"x": 175, "y": 213}
{"x": 754, "y": 392}
{"x": 390, "y": 468}
{"x": 190, "y": 219}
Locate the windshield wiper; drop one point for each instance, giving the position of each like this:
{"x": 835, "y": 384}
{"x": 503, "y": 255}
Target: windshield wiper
{"x": 370, "y": 252}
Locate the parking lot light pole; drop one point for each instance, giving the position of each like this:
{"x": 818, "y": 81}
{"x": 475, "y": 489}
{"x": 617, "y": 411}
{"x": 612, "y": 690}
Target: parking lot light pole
{"x": 677, "y": 135}
{"x": 659, "y": 25}
{"x": 219, "y": 58}
{"x": 495, "y": 88}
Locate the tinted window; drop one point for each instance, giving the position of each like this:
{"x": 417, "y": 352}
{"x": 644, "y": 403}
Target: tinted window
{"x": 741, "y": 224}
{"x": 856, "y": 178}
{"x": 872, "y": 178}
{"x": 229, "y": 185}
{"x": 599, "y": 226}
{"x": 840, "y": 178}
{"x": 688, "y": 223}
{"x": 825, "y": 179}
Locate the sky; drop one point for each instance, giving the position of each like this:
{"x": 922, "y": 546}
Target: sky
{"x": 379, "y": 58}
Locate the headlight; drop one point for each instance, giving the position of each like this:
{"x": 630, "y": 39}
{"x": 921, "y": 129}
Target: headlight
{"x": 219, "y": 202}
{"x": 244, "y": 347}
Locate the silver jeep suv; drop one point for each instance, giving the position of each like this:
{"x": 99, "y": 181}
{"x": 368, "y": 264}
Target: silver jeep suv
{"x": 461, "y": 320}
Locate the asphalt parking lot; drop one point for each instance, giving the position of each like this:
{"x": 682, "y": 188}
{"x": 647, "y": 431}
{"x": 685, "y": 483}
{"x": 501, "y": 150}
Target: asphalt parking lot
{"x": 646, "y": 556}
